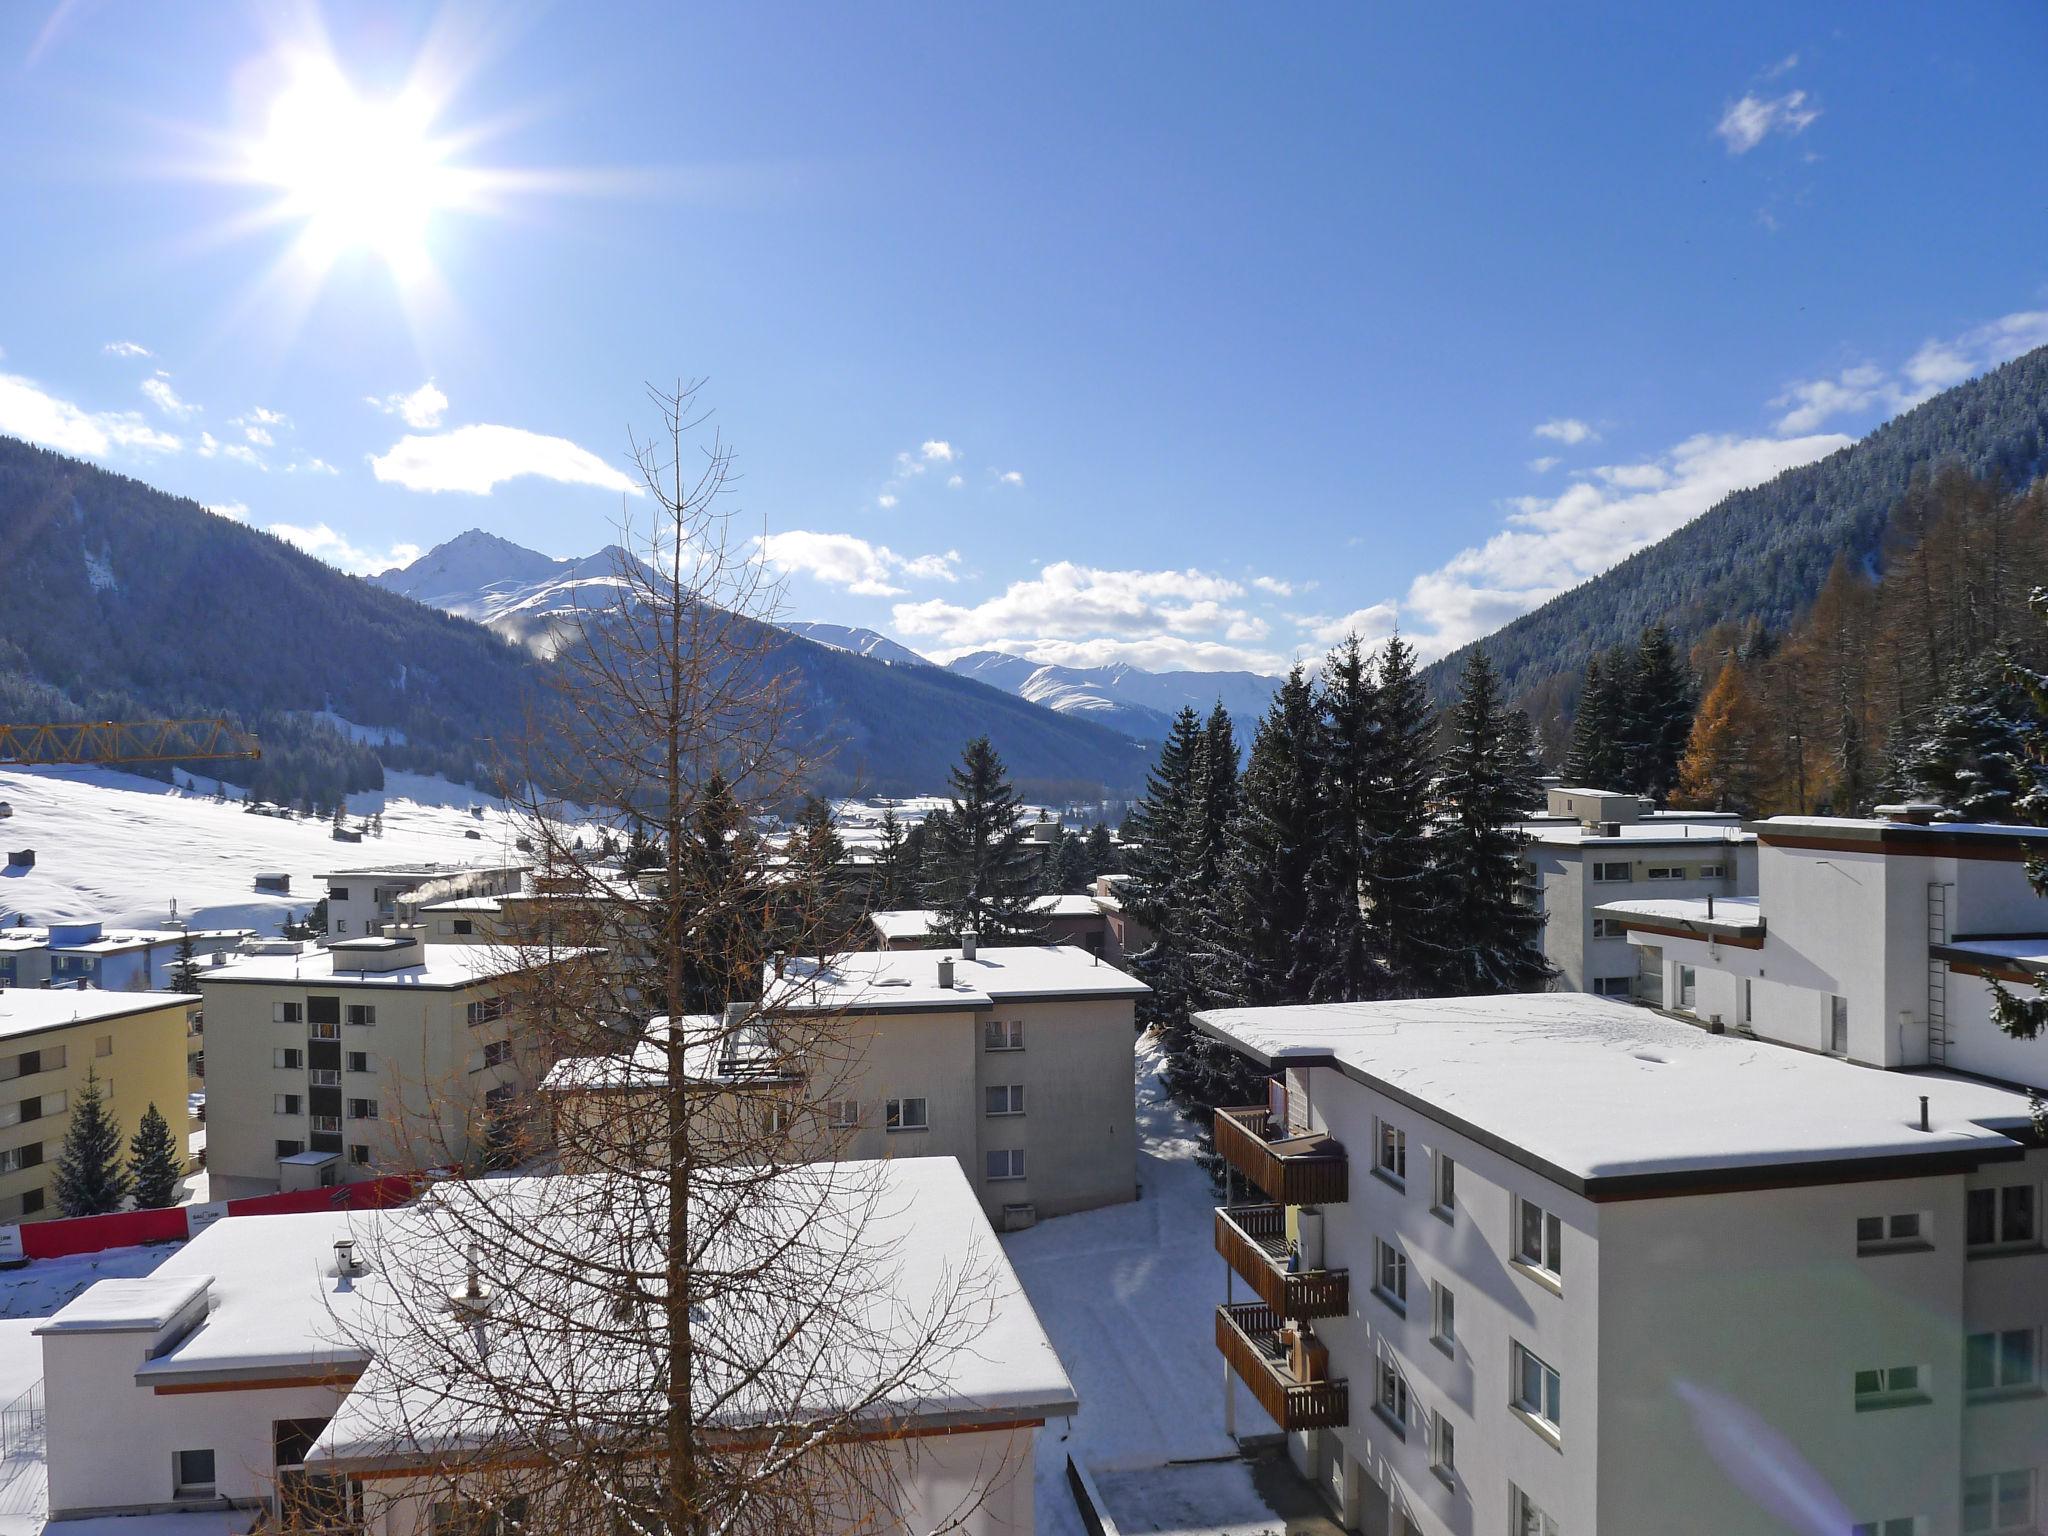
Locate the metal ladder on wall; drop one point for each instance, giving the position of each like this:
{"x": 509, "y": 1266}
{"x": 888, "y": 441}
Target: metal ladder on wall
{"x": 1937, "y": 974}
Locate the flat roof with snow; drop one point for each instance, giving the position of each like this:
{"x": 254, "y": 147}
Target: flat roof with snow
{"x": 922, "y": 922}
{"x": 422, "y": 871}
{"x": 715, "y": 1055}
{"x": 1636, "y": 834}
{"x": 1879, "y": 834}
{"x": 28, "y": 1010}
{"x": 440, "y": 966}
{"x": 144, "y": 1304}
{"x": 1724, "y": 917}
{"x": 1610, "y": 1100}
{"x": 906, "y": 980}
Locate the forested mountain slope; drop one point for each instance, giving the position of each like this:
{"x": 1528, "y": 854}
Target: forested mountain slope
{"x": 1763, "y": 553}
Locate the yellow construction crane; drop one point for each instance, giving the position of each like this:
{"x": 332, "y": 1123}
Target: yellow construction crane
{"x": 122, "y": 741}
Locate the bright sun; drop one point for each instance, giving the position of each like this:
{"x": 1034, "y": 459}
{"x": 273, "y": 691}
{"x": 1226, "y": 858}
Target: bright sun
{"x": 357, "y": 174}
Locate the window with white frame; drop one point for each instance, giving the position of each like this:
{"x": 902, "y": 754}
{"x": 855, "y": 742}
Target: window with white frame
{"x": 361, "y": 1014}
{"x": 1899, "y": 1232}
{"x": 1713, "y": 872}
{"x": 1528, "y": 1518}
{"x": 1003, "y": 1035}
{"x": 843, "y": 1114}
{"x": 1609, "y": 928}
{"x": 484, "y": 1010}
{"x": 1614, "y": 986}
{"x": 1005, "y": 1164}
{"x": 362, "y": 1109}
{"x": 287, "y": 1013}
{"x": 1443, "y": 1185}
{"x": 1443, "y": 1446}
{"x": 1999, "y": 1502}
{"x": 1664, "y": 872}
{"x": 192, "y": 1475}
{"x": 1390, "y": 1396}
{"x": 1391, "y": 1159}
{"x": 1688, "y": 986}
{"x": 1443, "y": 1316}
{"x": 1004, "y": 1099}
{"x": 2008, "y": 1360}
{"x": 905, "y": 1115}
{"x": 1539, "y": 1390}
{"x": 1891, "y": 1386}
{"x": 288, "y": 1058}
{"x": 497, "y": 1052}
{"x": 1745, "y": 1005}
{"x": 2002, "y": 1217}
{"x": 1613, "y": 873}
{"x": 1539, "y": 1238}
{"x": 1390, "y": 1272}
{"x": 287, "y": 1104}
{"x": 358, "y": 1061}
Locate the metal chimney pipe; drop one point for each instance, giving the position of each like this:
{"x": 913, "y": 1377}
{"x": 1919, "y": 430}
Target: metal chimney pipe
{"x": 1923, "y": 1114}
{"x": 1710, "y": 905}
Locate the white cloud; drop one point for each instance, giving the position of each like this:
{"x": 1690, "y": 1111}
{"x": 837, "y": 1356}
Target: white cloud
{"x": 1748, "y": 122}
{"x": 323, "y": 543}
{"x": 1274, "y": 585}
{"x": 938, "y": 451}
{"x": 1371, "y": 624}
{"x": 1067, "y": 601}
{"x": 126, "y": 349}
{"x": 1814, "y": 401}
{"x": 27, "y": 410}
{"x": 267, "y": 416}
{"x": 1565, "y": 429}
{"x": 1156, "y": 653}
{"x": 477, "y": 459}
{"x": 885, "y": 500}
{"x": 165, "y": 398}
{"x": 421, "y": 409}
{"x": 1010, "y": 477}
{"x": 954, "y": 482}
{"x": 1545, "y": 463}
{"x": 260, "y": 436}
{"x": 233, "y": 511}
{"x": 846, "y": 560}
{"x": 1938, "y": 364}
{"x": 241, "y": 453}
{"x": 312, "y": 466}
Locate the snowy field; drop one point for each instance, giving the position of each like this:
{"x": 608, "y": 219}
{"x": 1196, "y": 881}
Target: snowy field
{"x": 1128, "y": 1296}
{"x": 121, "y": 849}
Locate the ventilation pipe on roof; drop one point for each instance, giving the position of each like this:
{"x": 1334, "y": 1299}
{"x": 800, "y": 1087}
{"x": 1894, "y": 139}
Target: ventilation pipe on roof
{"x": 1923, "y": 1114}
{"x": 946, "y": 973}
{"x": 967, "y": 942}
{"x": 1710, "y": 906}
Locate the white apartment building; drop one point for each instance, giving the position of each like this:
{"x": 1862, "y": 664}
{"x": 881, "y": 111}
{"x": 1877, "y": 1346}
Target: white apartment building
{"x": 256, "y": 1359}
{"x": 1015, "y": 1060}
{"x": 1557, "y": 1266}
{"x": 1076, "y": 920}
{"x": 372, "y": 1056}
{"x": 1593, "y": 846}
{"x": 1874, "y": 939}
{"x": 361, "y": 903}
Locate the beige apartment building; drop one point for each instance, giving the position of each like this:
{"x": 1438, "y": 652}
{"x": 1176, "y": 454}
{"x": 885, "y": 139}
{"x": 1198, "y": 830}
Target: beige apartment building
{"x": 133, "y": 1042}
{"x": 374, "y": 1055}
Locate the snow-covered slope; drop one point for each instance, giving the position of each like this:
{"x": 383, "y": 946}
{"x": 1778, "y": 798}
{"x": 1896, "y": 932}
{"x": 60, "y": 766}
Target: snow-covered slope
{"x": 1125, "y": 698}
{"x": 120, "y": 848}
{"x": 522, "y": 594}
{"x": 862, "y": 642}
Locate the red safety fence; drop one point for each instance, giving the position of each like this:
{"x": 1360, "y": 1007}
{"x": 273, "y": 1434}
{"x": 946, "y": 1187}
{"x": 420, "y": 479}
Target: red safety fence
{"x": 124, "y": 1229}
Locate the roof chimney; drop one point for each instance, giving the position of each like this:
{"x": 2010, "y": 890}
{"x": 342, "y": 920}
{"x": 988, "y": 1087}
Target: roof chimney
{"x": 967, "y": 945}
{"x": 1912, "y": 813}
{"x": 946, "y": 973}
{"x": 1923, "y": 1114}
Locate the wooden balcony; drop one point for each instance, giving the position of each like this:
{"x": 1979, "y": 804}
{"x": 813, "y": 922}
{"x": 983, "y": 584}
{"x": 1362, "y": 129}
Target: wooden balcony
{"x": 1253, "y": 1241}
{"x": 1249, "y": 1336}
{"x": 1292, "y": 1170}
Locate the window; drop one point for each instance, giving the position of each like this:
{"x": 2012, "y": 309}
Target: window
{"x": 1003, "y": 1035}
{"x": 362, "y": 1109}
{"x": 1006, "y": 1165}
{"x": 192, "y": 1475}
{"x": 485, "y": 1009}
{"x": 14, "y": 1159}
{"x": 843, "y": 1114}
{"x": 341, "y": 925}
{"x": 359, "y": 1155}
{"x": 497, "y": 1052}
{"x": 2008, "y": 1361}
{"x": 1006, "y": 1099}
{"x": 1609, "y": 874}
{"x": 1614, "y": 986}
{"x": 288, "y": 1058}
{"x": 1443, "y": 1191}
{"x": 1539, "y": 1238}
{"x": 1688, "y": 987}
{"x": 103, "y": 1046}
{"x": 326, "y": 1125}
{"x": 337, "y": 893}
{"x": 1391, "y": 1158}
{"x": 1529, "y": 1518}
{"x": 1609, "y": 928}
{"x": 1713, "y": 872}
{"x": 1443, "y": 1446}
{"x": 31, "y": 1201}
{"x": 462, "y": 925}
{"x": 1892, "y": 1387}
{"x": 1838, "y": 1026}
{"x": 1390, "y": 1396}
{"x": 1902, "y": 1525}
{"x": 1390, "y": 1273}
{"x": 361, "y": 1013}
{"x": 1664, "y": 872}
{"x": 287, "y": 1013}
{"x": 1443, "y": 1316}
{"x": 1745, "y": 1004}
{"x": 2001, "y": 1217}
{"x": 319, "y": 1031}
{"x": 1998, "y": 1501}
{"x": 288, "y": 1104}
{"x": 472, "y": 1519}
{"x": 358, "y": 1061}
{"x": 323, "y": 1010}
{"x": 1538, "y": 1390}
{"x": 324, "y": 1077}
{"x": 905, "y": 1115}
{"x": 1903, "y": 1232}
{"x": 290, "y": 1148}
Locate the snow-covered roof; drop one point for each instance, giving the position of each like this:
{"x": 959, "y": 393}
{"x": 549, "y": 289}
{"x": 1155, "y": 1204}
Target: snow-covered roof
{"x": 26, "y": 1010}
{"x": 122, "y": 942}
{"x": 141, "y": 1305}
{"x": 420, "y": 871}
{"x": 899, "y": 980}
{"x": 715, "y": 1055}
{"x": 922, "y": 922}
{"x": 464, "y": 904}
{"x": 1604, "y": 1097}
{"x": 1888, "y": 835}
{"x": 1637, "y": 834}
{"x": 2026, "y": 953}
{"x": 1739, "y": 916}
{"x": 439, "y": 966}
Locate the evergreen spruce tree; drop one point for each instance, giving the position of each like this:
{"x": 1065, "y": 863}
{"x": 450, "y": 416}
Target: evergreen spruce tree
{"x": 1598, "y": 756}
{"x": 978, "y": 873}
{"x": 1155, "y": 834}
{"x": 1214, "y": 799}
{"x": 2024, "y": 1018}
{"x": 1102, "y": 854}
{"x": 1972, "y": 758}
{"x": 1490, "y": 934}
{"x": 90, "y": 1179}
{"x": 1345, "y": 971}
{"x": 154, "y": 1162}
{"x": 892, "y": 865}
{"x": 1657, "y": 718}
{"x": 185, "y": 971}
{"x": 1402, "y": 893}
{"x": 1068, "y": 861}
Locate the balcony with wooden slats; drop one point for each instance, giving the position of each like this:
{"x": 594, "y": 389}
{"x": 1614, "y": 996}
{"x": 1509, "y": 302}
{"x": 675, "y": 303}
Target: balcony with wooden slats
{"x": 1291, "y": 1170}
{"x": 1249, "y": 1336}
{"x": 1253, "y": 1241}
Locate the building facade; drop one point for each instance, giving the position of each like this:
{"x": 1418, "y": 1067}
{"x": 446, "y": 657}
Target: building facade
{"x": 361, "y": 903}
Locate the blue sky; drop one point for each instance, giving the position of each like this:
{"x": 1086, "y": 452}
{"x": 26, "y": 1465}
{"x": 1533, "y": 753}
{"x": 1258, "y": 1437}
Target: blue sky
{"x": 1184, "y": 335}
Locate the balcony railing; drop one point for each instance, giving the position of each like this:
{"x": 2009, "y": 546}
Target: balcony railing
{"x": 1292, "y": 1170}
{"x": 1249, "y": 1336}
{"x": 1253, "y": 1241}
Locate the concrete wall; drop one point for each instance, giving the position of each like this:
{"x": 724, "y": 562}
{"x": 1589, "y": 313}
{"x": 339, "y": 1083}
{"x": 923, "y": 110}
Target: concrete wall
{"x": 1564, "y": 876}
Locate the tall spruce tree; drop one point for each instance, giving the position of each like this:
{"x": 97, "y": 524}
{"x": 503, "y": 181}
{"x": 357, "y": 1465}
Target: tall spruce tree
{"x": 1972, "y": 756}
{"x": 978, "y": 874}
{"x": 1657, "y": 717}
{"x": 1489, "y": 939}
{"x": 1102, "y": 853}
{"x": 185, "y": 971}
{"x": 1349, "y": 701}
{"x": 90, "y": 1178}
{"x": 1155, "y": 836}
{"x": 1068, "y": 861}
{"x": 154, "y": 1162}
{"x": 1599, "y": 754}
{"x": 1214, "y": 799}
{"x": 1402, "y": 893}
{"x": 892, "y": 864}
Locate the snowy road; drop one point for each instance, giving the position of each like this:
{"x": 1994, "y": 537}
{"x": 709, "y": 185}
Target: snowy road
{"x": 1128, "y": 1295}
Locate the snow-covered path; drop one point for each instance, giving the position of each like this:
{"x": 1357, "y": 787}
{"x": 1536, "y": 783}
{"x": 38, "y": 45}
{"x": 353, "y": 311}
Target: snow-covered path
{"x": 1128, "y": 1295}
